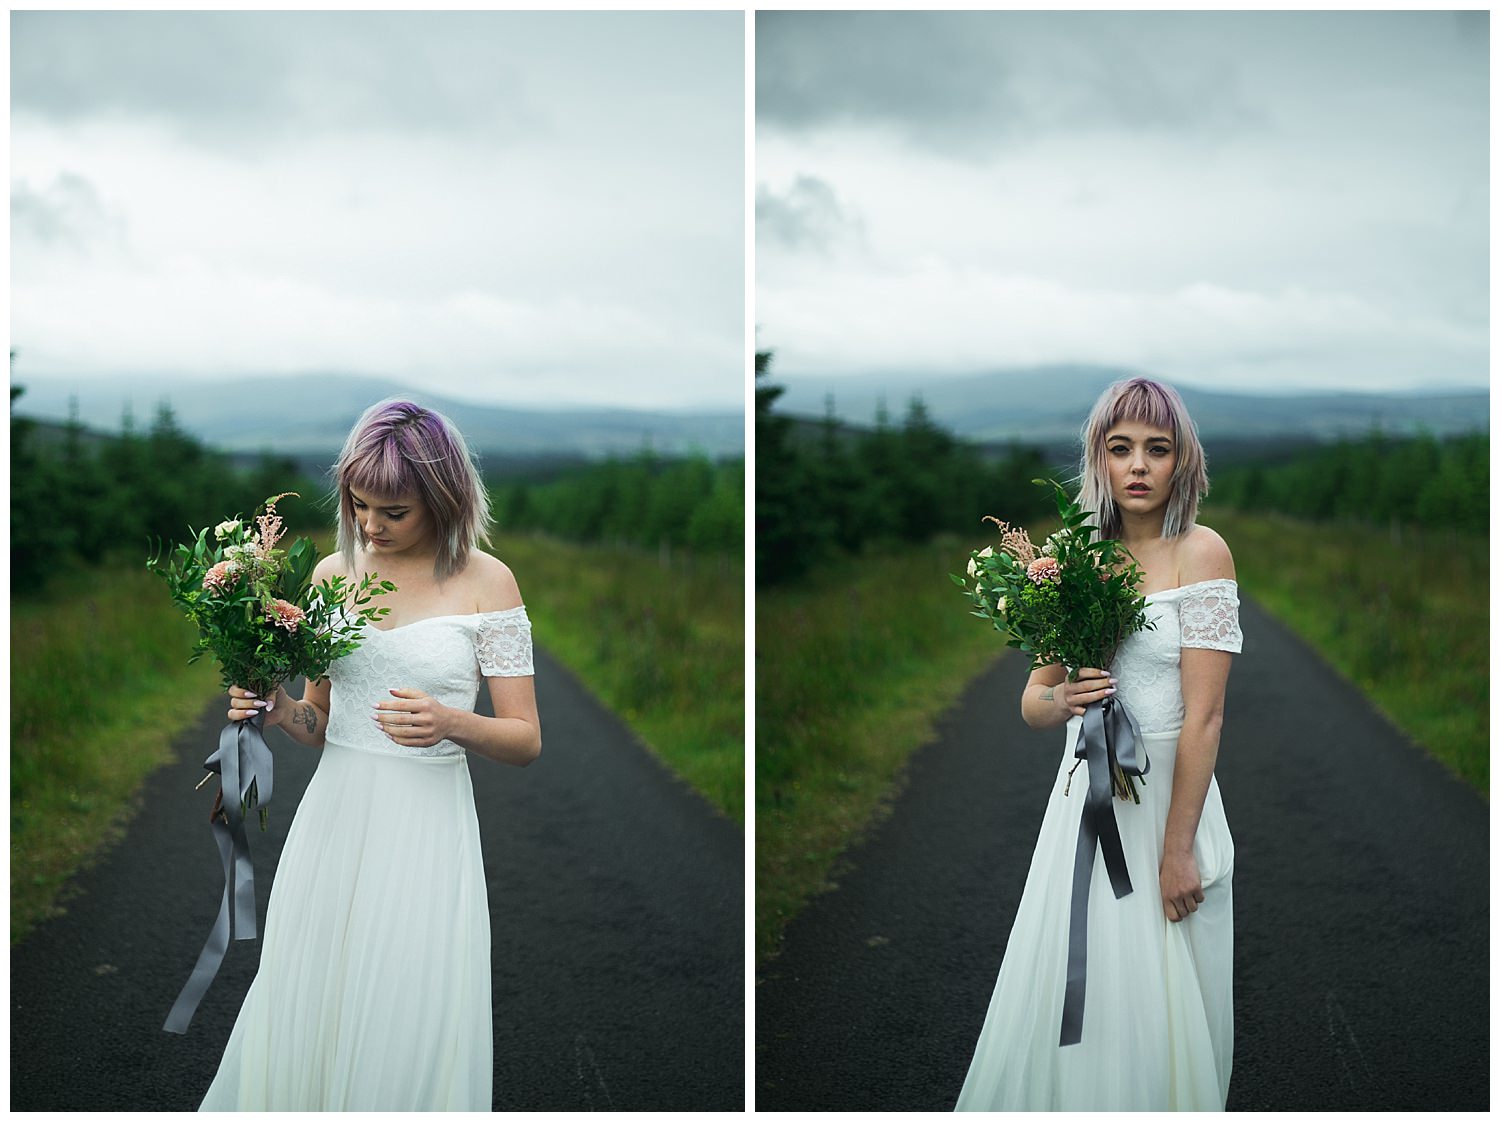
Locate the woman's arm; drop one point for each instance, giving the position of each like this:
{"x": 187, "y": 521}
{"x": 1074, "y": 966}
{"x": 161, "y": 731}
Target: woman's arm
{"x": 305, "y": 721}
{"x": 512, "y": 736}
{"x": 1205, "y": 674}
{"x": 1049, "y": 699}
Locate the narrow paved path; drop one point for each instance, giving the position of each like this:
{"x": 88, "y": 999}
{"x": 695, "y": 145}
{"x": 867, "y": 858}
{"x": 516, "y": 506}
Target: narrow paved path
{"x": 617, "y": 912}
{"x": 1361, "y": 895}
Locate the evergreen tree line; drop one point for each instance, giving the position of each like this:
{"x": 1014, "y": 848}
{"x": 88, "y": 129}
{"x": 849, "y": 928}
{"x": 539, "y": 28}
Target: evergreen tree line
{"x": 1381, "y": 479}
{"x": 826, "y": 490}
{"x": 645, "y": 500}
{"x": 77, "y": 498}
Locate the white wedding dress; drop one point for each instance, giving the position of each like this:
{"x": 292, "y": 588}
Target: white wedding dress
{"x": 1158, "y": 1018}
{"x": 374, "y": 985}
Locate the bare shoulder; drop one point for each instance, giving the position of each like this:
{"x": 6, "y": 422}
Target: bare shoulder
{"x": 494, "y": 585}
{"x": 1204, "y": 555}
{"x": 329, "y": 567}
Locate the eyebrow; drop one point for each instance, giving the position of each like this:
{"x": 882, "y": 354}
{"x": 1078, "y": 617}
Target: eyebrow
{"x": 1115, "y": 437}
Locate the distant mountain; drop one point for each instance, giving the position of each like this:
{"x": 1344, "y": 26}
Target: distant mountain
{"x": 309, "y": 417}
{"x": 1046, "y": 405}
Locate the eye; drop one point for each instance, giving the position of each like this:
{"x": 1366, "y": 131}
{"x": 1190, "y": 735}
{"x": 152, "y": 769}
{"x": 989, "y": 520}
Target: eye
{"x": 397, "y": 517}
{"x": 1120, "y": 449}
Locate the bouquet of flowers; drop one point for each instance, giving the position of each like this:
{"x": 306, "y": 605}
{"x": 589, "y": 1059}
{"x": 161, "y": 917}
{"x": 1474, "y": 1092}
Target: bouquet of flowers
{"x": 264, "y": 621}
{"x": 1072, "y": 601}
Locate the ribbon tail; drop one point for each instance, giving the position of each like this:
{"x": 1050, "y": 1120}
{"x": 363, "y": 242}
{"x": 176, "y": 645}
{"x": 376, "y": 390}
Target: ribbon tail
{"x": 212, "y": 955}
{"x": 243, "y": 761}
{"x": 1097, "y": 827}
{"x": 1078, "y": 935}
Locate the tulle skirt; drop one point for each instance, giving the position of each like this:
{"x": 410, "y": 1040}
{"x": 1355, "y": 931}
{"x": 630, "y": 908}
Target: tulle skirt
{"x": 1158, "y": 1022}
{"x": 374, "y": 985}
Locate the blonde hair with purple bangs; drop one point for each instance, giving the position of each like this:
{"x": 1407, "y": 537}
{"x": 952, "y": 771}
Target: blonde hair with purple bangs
{"x": 397, "y": 448}
{"x": 1145, "y": 402}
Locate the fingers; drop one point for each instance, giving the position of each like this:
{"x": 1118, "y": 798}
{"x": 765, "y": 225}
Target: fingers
{"x": 243, "y": 704}
{"x": 1178, "y": 908}
{"x": 1092, "y": 685}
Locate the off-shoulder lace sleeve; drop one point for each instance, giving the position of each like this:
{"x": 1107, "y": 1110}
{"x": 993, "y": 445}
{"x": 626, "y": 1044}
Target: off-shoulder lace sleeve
{"x": 1210, "y": 614}
{"x": 503, "y": 642}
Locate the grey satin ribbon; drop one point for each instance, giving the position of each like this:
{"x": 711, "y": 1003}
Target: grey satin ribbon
{"x": 1109, "y": 736}
{"x": 243, "y": 759}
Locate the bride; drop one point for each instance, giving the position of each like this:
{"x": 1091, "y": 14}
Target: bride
{"x": 374, "y": 985}
{"x": 1157, "y": 1025}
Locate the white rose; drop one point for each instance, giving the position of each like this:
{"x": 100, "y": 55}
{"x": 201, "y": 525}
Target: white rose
{"x": 1000, "y": 604}
{"x": 973, "y": 567}
{"x": 987, "y": 552}
{"x": 224, "y": 529}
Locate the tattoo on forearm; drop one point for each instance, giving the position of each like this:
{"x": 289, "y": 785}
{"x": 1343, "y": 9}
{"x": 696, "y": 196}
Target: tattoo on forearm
{"x": 1047, "y": 693}
{"x": 305, "y": 714}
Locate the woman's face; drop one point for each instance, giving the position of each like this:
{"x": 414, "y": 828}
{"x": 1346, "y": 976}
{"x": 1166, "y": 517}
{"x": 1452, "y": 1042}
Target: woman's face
{"x": 391, "y": 524}
{"x": 1141, "y": 460}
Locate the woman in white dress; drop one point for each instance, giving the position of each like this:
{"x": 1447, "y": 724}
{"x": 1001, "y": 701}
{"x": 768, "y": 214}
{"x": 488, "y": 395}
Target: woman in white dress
{"x": 1157, "y": 1026}
{"x": 374, "y": 985}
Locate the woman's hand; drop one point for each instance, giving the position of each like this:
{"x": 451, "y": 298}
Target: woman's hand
{"x": 243, "y": 705}
{"x": 1181, "y": 886}
{"x": 414, "y": 719}
{"x": 1092, "y": 685}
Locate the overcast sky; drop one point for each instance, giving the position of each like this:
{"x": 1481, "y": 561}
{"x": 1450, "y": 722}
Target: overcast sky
{"x": 1284, "y": 200}
{"x": 523, "y": 208}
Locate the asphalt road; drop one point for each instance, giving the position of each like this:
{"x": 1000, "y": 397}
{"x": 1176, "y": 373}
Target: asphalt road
{"x": 617, "y": 914}
{"x": 1361, "y": 896}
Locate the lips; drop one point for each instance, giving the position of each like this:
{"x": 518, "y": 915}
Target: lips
{"x": 1138, "y": 489}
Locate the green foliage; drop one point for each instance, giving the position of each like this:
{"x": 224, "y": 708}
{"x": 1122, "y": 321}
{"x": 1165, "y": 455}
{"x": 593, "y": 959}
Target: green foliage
{"x": 1075, "y": 614}
{"x": 644, "y": 500}
{"x": 1378, "y": 479}
{"x": 255, "y": 607}
{"x": 78, "y": 499}
{"x": 826, "y": 490}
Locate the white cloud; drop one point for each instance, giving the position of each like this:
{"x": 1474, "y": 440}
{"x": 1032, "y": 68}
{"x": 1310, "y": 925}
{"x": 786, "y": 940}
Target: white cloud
{"x": 589, "y": 250}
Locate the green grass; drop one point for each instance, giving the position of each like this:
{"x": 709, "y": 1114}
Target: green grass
{"x": 852, "y": 667}
{"x": 660, "y": 642}
{"x": 1404, "y": 615}
{"x": 99, "y": 690}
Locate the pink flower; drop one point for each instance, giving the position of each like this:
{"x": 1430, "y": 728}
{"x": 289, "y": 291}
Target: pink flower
{"x": 283, "y": 614}
{"x": 1044, "y": 569}
{"x": 221, "y": 576}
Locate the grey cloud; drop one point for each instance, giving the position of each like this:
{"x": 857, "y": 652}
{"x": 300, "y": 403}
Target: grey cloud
{"x": 808, "y": 215}
{"x": 68, "y": 213}
{"x": 966, "y": 81}
{"x": 497, "y": 74}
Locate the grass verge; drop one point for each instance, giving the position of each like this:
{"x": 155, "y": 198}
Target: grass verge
{"x": 99, "y": 690}
{"x": 660, "y": 641}
{"x": 1402, "y": 614}
{"x": 852, "y": 667}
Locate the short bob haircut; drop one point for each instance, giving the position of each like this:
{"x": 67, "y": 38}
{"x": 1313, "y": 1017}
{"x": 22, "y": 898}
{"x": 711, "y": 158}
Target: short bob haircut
{"x": 1146, "y": 402}
{"x": 398, "y": 448}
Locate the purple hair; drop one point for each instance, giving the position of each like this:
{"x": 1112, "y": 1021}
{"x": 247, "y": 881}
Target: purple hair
{"x": 1158, "y": 405}
{"x": 399, "y": 448}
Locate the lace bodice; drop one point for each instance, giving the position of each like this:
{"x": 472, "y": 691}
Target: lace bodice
{"x": 444, "y": 656}
{"x": 1148, "y": 665}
